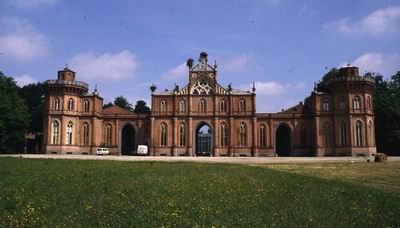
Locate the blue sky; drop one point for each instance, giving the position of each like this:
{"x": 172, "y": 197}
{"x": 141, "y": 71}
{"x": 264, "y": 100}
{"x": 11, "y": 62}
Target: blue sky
{"x": 124, "y": 46}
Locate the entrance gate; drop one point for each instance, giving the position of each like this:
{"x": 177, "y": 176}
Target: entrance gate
{"x": 127, "y": 140}
{"x": 203, "y": 141}
{"x": 283, "y": 142}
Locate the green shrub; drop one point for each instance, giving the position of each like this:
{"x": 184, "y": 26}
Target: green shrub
{"x": 380, "y": 157}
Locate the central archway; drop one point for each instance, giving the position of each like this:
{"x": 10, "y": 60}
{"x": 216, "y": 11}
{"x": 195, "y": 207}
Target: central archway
{"x": 127, "y": 140}
{"x": 204, "y": 140}
{"x": 283, "y": 141}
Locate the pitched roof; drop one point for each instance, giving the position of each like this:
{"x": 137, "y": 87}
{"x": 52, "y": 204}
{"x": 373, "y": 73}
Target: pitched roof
{"x": 116, "y": 110}
{"x": 295, "y": 109}
{"x": 239, "y": 91}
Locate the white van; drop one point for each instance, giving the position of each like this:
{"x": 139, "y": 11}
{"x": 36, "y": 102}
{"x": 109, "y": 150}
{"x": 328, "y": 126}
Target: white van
{"x": 102, "y": 151}
{"x": 142, "y": 150}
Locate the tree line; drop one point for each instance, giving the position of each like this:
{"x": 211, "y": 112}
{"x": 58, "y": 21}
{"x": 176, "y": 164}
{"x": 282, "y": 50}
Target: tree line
{"x": 21, "y": 111}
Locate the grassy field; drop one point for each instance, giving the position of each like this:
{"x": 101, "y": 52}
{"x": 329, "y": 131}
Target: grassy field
{"x": 111, "y": 193}
{"x": 382, "y": 176}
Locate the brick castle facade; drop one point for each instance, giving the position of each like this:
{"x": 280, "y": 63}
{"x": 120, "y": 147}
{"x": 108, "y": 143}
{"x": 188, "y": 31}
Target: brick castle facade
{"x": 205, "y": 118}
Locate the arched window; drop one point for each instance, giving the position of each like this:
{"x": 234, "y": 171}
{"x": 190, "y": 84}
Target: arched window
{"x": 163, "y": 106}
{"x": 343, "y": 134}
{"x": 69, "y": 132}
{"x": 242, "y": 105}
{"x": 57, "y": 104}
{"x": 222, "y": 105}
{"x": 370, "y": 133}
{"x": 327, "y": 134}
{"x": 182, "y": 134}
{"x": 71, "y": 104}
{"x": 359, "y": 133}
{"x": 303, "y": 136}
{"x": 262, "y": 135}
{"x": 109, "y": 135}
{"x": 357, "y": 103}
{"x": 325, "y": 105}
{"x": 163, "y": 134}
{"x": 342, "y": 103}
{"x": 243, "y": 135}
{"x": 182, "y": 106}
{"x": 224, "y": 135}
{"x": 85, "y": 134}
{"x": 86, "y": 106}
{"x": 369, "y": 104}
{"x": 203, "y": 105}
{"x": 55, "y": 138}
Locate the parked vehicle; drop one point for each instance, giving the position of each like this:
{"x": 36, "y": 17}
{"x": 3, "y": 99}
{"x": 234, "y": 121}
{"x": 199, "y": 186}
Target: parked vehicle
{"x": 142, "y": 150}
{"x": 102, "y": 151}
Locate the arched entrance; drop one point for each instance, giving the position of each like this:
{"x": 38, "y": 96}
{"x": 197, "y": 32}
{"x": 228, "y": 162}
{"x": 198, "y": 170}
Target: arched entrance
{"x": 283, "y": 141}
{"x": 127, "y": 140}
{"x": 203, "y": 140}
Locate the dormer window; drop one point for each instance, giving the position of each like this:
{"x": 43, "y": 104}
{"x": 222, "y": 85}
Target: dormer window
{"x": 163, "y": 106}
{"x": 325, "y": 105}
{"x": 369, "y": 105}
{"x": 71, "y": 104}
{"x": 86, "y": 106}
{"x": 182, "y": 105}
{"x": 342, "y": 103}
{"x": 223, "y": 105}
{"x": 357, "y": 103}
{"x": 57, "y": 104}
{"x": 203, "y": 105}
{"x": 242, "y": 105}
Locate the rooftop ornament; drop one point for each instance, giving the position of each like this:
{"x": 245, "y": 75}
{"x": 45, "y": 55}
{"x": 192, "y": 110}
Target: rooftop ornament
{"x": 95, "y": 92}
{"x": 189, "y": 63}
{"x": 153, "y": 88}
{"x": 203, "y": 60}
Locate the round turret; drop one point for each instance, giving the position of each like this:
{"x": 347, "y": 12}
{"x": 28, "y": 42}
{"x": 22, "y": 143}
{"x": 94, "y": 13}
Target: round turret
{"x": 66, "y": 83}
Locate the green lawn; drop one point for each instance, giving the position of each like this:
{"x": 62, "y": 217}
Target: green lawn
{"x": 112, "y": 193}
{"x": 382, "y": 176}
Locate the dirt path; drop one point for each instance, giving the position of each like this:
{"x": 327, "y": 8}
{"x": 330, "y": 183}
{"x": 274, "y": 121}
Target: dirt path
{"x": 229, "y": 160}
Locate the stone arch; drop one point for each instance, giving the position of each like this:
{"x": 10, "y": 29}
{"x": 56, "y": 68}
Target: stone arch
{"x": 127, "y": 140}
{"x": 283, "y": 140}
{"x": 203, "y": 140}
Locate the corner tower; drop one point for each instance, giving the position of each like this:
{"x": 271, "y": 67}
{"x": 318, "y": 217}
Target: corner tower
{"x": 352, "y": 111}
{"x": 70, "y": 115}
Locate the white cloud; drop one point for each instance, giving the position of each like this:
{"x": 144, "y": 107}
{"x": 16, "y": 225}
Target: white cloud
{"x": 273, "y": 88}
{"x": 270, "y": 88}
{"x": 108, "y": 66}
{"x": 387, "y": 64}
{"x": 381, "y": 22}
{"x": 32, "y": 4}
{"x": 272, "y": 96}
{"x": 239, "y": 63}
{"x": 22, "y": 41}
{"x": 178, "y": 73}
{"x": 24, "y": 80}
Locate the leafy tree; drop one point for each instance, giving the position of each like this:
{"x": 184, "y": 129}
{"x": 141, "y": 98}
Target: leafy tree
{"x": 387, "y": 114}
{"x": 332, "y": 73}
{"x": 141, "y": 107}
{"x": 14, "y": 117}
{"x": 123, "y": 103}
{"x": 33, "y": 96}
{"x": 109, "y": 104}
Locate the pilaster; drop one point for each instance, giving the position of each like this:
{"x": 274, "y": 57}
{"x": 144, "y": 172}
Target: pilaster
{"x": 254, "y": 137}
